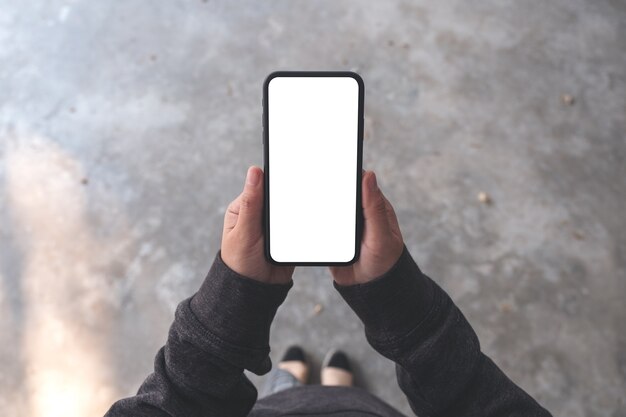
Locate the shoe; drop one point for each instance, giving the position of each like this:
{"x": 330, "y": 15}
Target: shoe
{"x": 294, "y": 361}
{"x": 336, "y": 370}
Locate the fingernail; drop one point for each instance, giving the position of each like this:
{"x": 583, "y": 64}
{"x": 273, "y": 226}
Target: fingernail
{"x": 373, "y": 183}
{"x": 252, "y": 178}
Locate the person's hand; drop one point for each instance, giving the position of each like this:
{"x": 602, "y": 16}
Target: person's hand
{"x": 242, "y": 237}
{"x": 382, "y": 242}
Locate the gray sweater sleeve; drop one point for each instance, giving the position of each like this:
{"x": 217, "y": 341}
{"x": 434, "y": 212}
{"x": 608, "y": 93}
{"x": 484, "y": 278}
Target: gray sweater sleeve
{"x": 409, "y": 319}
{"x": 220, "y": 331}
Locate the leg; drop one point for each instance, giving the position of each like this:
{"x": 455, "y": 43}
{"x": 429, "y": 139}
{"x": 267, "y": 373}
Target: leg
{"x": 292, "y": 371}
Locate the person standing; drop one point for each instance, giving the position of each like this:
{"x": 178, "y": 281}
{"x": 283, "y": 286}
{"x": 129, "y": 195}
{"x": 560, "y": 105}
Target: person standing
{"x": 224, "y": 328}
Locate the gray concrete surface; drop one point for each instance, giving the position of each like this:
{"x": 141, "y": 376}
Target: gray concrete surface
{"x": 127, "y": 127}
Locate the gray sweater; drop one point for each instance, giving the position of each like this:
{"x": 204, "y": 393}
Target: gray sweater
{"x": 224, "y": 328}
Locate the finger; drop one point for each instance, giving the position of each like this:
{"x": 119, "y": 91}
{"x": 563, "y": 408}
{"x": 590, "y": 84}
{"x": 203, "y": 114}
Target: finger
{"x": 374, "y": 207}
{"x": 391, "y": 213}
{"x": 251, "y": 203}
{"x": 391, "y": 216}
{"x": 231, "y": 215}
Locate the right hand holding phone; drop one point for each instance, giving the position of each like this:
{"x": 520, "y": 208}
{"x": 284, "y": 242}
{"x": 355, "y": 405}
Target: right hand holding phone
{"x": 382, "y": 243}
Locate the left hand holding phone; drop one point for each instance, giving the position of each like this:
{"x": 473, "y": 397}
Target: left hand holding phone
{"x": 242, "y": 247}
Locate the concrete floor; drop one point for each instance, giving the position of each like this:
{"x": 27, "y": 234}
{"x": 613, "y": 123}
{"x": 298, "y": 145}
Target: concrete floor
{"x": 127, "y": 127}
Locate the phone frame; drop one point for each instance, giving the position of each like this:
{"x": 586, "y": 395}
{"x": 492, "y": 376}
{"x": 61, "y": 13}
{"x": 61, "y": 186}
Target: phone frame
{"x": 266, "y": 203}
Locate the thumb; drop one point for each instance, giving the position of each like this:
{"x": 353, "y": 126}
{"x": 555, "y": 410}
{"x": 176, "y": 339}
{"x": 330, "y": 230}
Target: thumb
{"x": 251, "y": 203}
{"x": 374, "y": 207}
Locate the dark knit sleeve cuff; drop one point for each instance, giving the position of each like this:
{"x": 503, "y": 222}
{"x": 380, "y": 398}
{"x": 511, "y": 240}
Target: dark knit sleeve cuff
{"x": 392, "y": 304}
{"x": 238, "y": 311}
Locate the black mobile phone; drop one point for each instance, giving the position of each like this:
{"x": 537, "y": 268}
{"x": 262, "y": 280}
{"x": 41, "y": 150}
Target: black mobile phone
{"x": 313, "y": 153}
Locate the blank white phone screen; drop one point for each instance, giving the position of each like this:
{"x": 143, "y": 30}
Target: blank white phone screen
{"x": 313, "y": 146}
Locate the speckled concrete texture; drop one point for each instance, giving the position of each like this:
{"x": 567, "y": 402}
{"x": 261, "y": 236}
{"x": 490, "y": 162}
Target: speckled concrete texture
{"x": 126, "y": 128}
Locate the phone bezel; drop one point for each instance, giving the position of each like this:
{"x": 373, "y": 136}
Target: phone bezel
{"x": 266, "y": 203}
